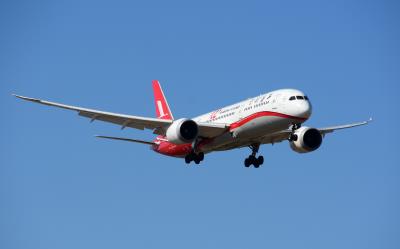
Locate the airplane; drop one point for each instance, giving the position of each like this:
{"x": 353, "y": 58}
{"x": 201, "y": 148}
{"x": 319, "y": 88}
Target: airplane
{"x": 270, "y": 118}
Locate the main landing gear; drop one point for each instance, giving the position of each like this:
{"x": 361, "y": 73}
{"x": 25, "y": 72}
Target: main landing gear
{"x": 196, "y": 157}
{"x": 293, "y": 136}
{"x": 193, "y": 156}
{"x": 252, "y": 159}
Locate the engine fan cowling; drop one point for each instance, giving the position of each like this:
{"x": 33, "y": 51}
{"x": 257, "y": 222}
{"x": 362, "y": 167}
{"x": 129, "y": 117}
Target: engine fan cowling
{"x": 308, "y": 140}
{"x": 182, "y": 131}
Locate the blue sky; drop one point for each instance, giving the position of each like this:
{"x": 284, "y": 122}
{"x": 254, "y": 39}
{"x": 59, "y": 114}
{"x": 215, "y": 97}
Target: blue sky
{"x": 62, "y": 188}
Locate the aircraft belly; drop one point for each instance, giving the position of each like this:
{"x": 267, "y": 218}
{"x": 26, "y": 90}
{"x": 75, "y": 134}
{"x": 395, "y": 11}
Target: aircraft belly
{"x": 262, "y": 126}
{"x": 256, "y": 128}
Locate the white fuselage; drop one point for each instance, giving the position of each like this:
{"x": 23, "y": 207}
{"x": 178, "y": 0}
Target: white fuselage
{"x": 258, "y": 117}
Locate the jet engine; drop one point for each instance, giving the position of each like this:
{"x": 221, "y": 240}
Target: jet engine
{"x": 182, "y": 131}
{"x": 306, "y": 139}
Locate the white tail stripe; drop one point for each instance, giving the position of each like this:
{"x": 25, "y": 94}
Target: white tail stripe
{"x": 166, "y": 103}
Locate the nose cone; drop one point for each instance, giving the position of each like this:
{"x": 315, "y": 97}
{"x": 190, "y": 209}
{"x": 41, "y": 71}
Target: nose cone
{"x": 304, "y": 109}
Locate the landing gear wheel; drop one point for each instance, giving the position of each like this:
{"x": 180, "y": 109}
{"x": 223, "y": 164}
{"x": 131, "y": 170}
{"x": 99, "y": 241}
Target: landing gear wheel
{"x": 247, "y": 162}
{"x": 201, "y": 156}
{"x": 293, "y": 137}
{"x": 252, "y": 159}
{"x": 260, "y": 160}
{"x": 197, "y": 158}
{"x": 188, "y": 158}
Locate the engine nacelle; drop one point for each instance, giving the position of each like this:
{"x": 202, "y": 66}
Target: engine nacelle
{"x": 182, "y": 131}
{"x": 308, "y": 139}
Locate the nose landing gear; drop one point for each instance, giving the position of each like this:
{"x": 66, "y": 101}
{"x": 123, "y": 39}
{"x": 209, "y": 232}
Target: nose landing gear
{"x": 252, "y": 159}
{"x": 293, "y": 136}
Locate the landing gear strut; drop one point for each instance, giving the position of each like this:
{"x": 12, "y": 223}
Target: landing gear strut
{"x": 296, "y": 126}
{"x": 252, "y": 159}
{"x": 293, "y": 136}
{"x": 196, "y": 157}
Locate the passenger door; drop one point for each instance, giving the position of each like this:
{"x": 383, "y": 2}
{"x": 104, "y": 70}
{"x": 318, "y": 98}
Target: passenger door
{"x": 275, "y": 101}
{"x": 240, "y": 111}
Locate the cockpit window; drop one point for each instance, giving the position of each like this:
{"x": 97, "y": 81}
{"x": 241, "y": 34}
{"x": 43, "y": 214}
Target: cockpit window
{"x": 298, "y": 97}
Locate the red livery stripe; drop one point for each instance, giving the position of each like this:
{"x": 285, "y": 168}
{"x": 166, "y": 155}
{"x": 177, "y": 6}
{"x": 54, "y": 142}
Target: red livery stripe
{"x": 262, "y": 114}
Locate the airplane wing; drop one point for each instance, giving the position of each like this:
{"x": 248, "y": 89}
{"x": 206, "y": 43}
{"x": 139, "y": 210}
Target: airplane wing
{"x": 284, "y": 135}
{"x": 340, "y": 127}
{"x": 159, "y": 126}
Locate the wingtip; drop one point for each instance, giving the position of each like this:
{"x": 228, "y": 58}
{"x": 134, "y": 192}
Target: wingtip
{"x": 100, "y": 136}
{"x": 370, "y": 119}
{"x": 26, "y": 98}
{"x": 19, "y": 96}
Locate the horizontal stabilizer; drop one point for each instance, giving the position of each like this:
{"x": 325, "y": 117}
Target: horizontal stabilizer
{"x": 126, "y": 139}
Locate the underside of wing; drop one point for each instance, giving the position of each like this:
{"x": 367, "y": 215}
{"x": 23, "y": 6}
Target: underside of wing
{"x": 340, "y": 127}
{"x": 276, "y": 137}
{"x": 210, "y": 130}
{"x": 120, "y": 119}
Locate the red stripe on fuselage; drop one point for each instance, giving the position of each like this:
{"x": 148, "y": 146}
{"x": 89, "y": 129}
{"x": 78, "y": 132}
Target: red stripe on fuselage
{"x": 253, "y": 116}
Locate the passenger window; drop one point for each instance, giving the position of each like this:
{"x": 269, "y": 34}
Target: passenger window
{"x": 300, "y": 97}
{"x": 292, "y": 98}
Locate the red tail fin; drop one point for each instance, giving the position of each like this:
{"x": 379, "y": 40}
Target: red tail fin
{"x": 162, "y": 107}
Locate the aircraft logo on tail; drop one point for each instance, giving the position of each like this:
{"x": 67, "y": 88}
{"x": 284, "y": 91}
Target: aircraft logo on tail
{"x": 162, "y": 108}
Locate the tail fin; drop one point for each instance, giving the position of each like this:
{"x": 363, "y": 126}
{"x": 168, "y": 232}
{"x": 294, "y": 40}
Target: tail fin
{"x": 162, "y": 107}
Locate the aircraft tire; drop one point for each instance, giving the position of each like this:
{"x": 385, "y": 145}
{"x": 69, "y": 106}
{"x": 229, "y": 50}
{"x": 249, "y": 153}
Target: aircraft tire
{"x": 201, "y": 156}
{"x": 247, "y": 162}
{"x": 188, "y": 159}
{"x": 260, "y": 160}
